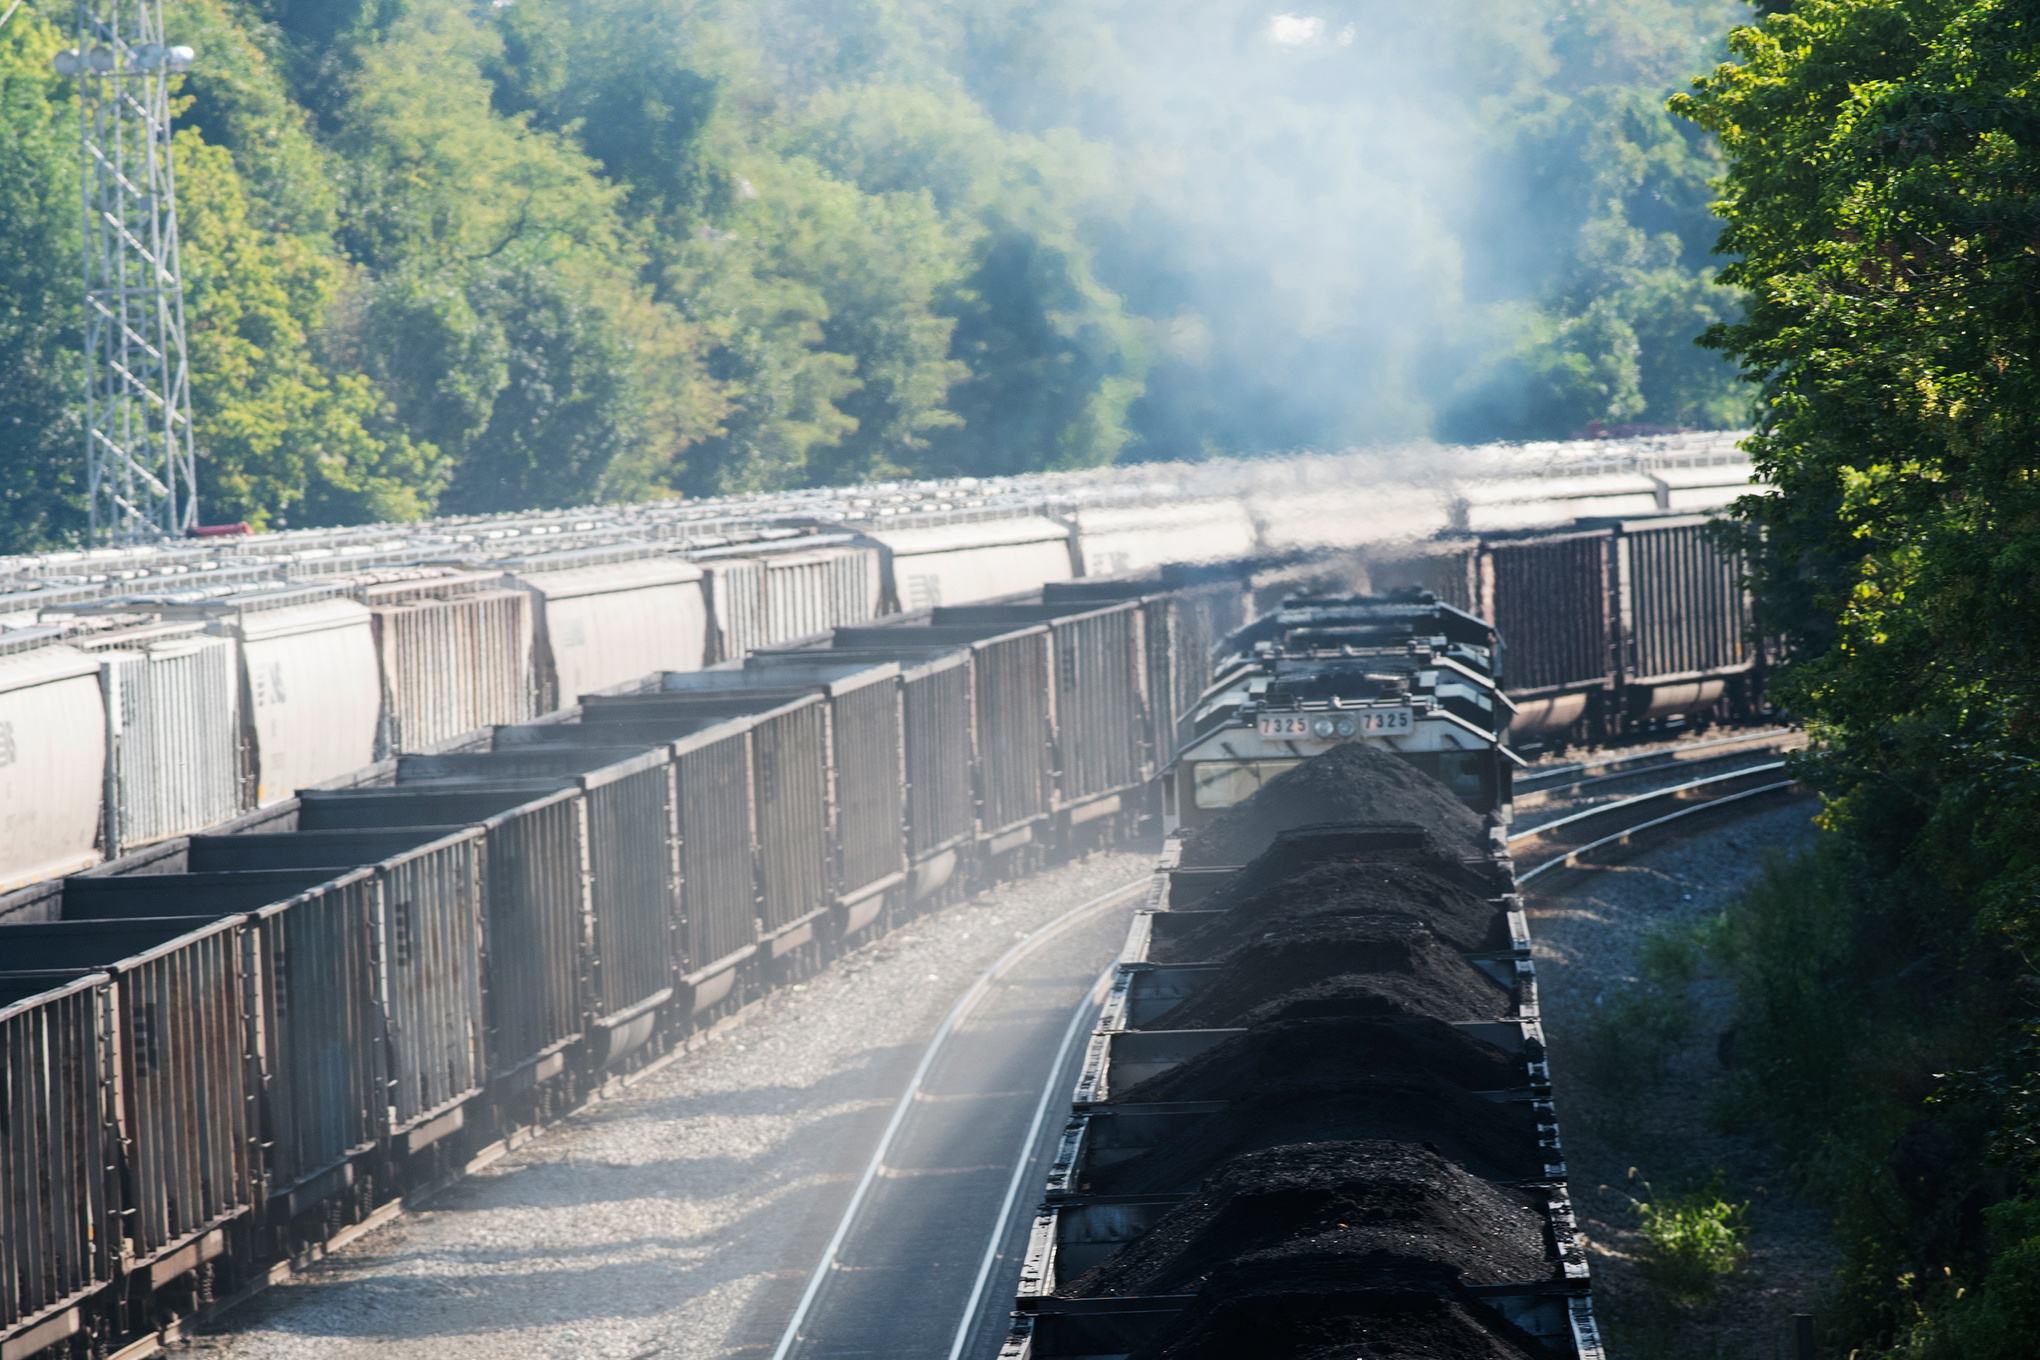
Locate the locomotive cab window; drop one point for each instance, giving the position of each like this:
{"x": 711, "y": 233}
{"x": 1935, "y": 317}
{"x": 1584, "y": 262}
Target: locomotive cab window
{"x": 1221, "y": 783}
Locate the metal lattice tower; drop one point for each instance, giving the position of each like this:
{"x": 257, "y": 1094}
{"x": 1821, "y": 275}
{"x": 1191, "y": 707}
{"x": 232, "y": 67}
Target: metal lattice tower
{"x": 138, "y": 456}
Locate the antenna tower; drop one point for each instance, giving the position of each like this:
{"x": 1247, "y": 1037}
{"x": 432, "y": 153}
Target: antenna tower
{"x": 138, "y": 449}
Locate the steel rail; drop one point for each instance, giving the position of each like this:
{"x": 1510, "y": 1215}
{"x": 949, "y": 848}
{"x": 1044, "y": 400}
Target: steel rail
{"x": 1642, "y": 763}
{"x": 1571, "y": 857}
{"x": 1057, "y": 1084}
{"x": 790, "y": 1338}
{"x": 1537, "y": 797}
{"x": 1602, "y": 809}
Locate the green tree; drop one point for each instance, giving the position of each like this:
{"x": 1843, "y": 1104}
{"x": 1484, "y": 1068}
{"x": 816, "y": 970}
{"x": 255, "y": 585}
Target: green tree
{"x": 501, "y": 305}
{"x": 568, "y": 249}
{"x": 236, "y": 96}
{"x": 1052, "y": 359}
{"x": 564, "y": 406}
{"x": 1618, "y": 188}
{"x": 1881, "y": 211}
{"x": 823, "y": 300}
{"x": 279, "y": 439}
{"x": 42, "y": 451}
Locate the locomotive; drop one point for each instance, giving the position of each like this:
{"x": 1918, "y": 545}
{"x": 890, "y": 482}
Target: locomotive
{"x": 1414, "y": 675}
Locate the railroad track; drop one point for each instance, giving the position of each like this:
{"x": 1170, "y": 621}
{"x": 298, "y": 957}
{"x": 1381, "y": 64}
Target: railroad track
{"x": 1579, "y": 809}
{"x": 925, "y": 1255}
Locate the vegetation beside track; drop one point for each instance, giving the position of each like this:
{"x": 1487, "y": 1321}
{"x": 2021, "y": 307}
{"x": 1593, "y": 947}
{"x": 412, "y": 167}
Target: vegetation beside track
{"x": 1882, "y": 212}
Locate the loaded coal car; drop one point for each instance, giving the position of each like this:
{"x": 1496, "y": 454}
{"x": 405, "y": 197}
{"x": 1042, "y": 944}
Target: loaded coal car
{"x": 1315, "y": 1117}
{"x": 1405, "y": 672}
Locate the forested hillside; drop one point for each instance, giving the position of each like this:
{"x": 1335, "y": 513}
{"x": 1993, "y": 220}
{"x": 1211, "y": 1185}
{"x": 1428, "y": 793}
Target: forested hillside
{"x": 449, "y": 257}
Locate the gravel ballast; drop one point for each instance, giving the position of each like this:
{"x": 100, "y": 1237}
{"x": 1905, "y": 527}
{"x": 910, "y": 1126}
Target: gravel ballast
{"x": 1588, "y": 930}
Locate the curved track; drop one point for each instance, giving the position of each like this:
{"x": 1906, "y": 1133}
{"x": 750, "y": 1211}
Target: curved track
{"x": 899, "y": 1277}
{"x": 1579, "y": 810}
{"x": 683, "y": 1216}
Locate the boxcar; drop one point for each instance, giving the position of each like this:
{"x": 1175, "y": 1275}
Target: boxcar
{"x": 1447, "y": 568}
{"x": 608, "y": 615}
{"x": 58, "y": 1195}
{"x": 718, "y": 886}
{"x": 313, "y": 688}
{"x": 973, "y": 560}
{"x": 634, "y": 895}
{"x": 931, "y": 751}
{"x": 867, "y": 763}
{"x": 735, "y": 591}
{"x": 1180, "y": 626}
{"x": 818, "y": 588}
{"x": 1551, "y": 597}
{"x": 1101, "y": 740}
{"x": 787, "y": 744}
{"x": 178, "y": 1063}
{"x": 1012, "y": 718}
{"x": 1115, "y": 540}
{"x": 534, "y": 901}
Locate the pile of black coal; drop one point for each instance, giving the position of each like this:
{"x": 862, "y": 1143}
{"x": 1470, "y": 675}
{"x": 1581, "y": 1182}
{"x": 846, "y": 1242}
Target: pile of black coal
{"x": 1288, "y": 1311}
{"x": 1371, "y": 1203}
{"x": 1329, "y": 1053}
{"x": 1304, "y": 848}
{"x": 1340, "y": 965}
{"x": 1462, "y": 917}
{"x": 1354, "y": 782}
{"x": 1490, "y": 1138}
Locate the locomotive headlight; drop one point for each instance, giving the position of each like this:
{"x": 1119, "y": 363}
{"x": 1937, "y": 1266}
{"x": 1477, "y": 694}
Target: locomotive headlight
{"x": 1345, "y": 727}
{"x": 1323, "y": 727}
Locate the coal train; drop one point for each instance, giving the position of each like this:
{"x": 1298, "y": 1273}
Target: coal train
{"x": 1315, "y": 1118}
{"x": 1416, "y": 676}
{"x": 1612, "y": 625}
